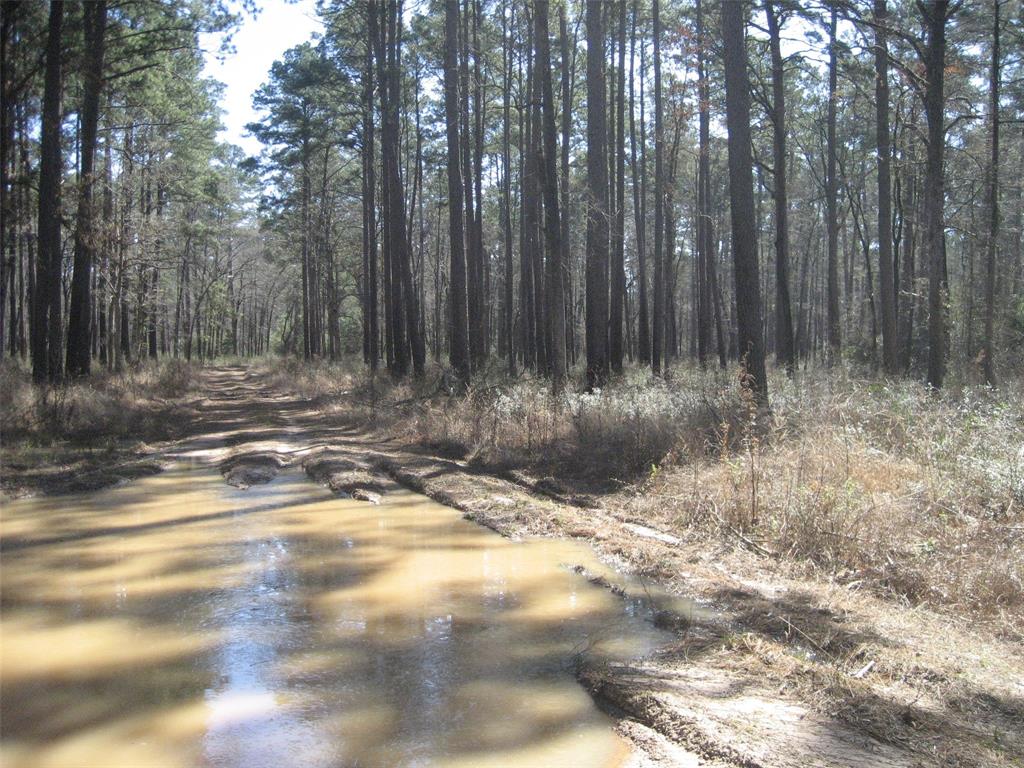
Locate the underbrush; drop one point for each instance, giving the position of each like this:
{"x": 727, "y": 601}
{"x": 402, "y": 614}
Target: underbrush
{"x": 106, "y": 405}
{"x": 881, "y": 485}
{"x": 310, "y": 380}
{"x": 616, "y": 435}
{"x": 878, "y": 485}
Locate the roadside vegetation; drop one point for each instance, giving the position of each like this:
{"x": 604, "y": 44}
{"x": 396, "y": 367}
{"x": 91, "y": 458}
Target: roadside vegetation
{"x": 86, "y": 433}
{"x": 880, "y": 485}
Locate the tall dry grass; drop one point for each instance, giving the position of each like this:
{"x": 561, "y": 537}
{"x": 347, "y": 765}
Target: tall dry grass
{"x": 132, "y": 403}
{"x": 879, "y": 484}
{"x": 884, "y": 485}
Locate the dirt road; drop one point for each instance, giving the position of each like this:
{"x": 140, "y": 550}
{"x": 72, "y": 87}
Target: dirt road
{"x": 767, "y": 667}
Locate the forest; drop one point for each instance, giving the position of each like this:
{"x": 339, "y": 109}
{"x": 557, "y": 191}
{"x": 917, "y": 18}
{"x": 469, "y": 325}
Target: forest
{"x": 730, "y": 292}
{"x": 454, "y": 191}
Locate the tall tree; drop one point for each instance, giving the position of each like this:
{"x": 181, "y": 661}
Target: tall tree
{"x": 406, "y": 311}
{"x": 936, "y": 14}
{"x": 992, "y": 244}
{"x": 886, "y": 267}
{"x": 508, "y": 321}
{"x": 458, "y": 329}
{"x": 833, "y": 319}
{"x": 785, "y": 351}
{"x": 369, "y": 181}
{"x": 741, "y": 192}
{"x": 638, "y": 174}
{"x": 471, "y": 135}
{"x": 658, "y": 329}
{"x": 597, "y": 202}
{"x": 46, "y": 304}
{"x": 568, "y": 76}
{"x": 79, "y": 355}
{"x": 618, "y": 241}
{"x": 908, "y": 205}
{"x": 552, "y": 223}
{"x": 530, "y": 308}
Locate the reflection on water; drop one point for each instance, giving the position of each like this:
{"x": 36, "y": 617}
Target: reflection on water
{"x": 178, "y": 622}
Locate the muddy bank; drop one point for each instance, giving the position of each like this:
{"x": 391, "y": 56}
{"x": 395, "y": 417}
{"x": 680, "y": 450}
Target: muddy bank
{"x": 60, "y": 469}
{"x": 348, "y": 478}
{"x": 780, "y": 670}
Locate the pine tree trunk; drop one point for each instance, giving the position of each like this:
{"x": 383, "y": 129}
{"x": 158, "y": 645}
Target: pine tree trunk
{"x": 988, "y": 355}
{"x": 703, "y": 225}
{"x": 639, "y": 199}
{"x": 597, "y": 203}
{"x": 371, "y": 312}
{"x": 552, "y": 223}
{"x": 935, "y": 15}
{"x": 908, "y": 206}
{"x": 567, "y": 88}
{"x": 658, "y": 330}
{"x": 79, "y": 355}
{"x": 741, "y": 190}
{"x": 459, "y": 350}
{"x": 508, "y": 321}
{"x": 784, "y": 344}
{"x": 46, "y": 325}
{"x": 618, "y": 273}
{"x": 886, "y": 267}
{"x": 833, "y": 320}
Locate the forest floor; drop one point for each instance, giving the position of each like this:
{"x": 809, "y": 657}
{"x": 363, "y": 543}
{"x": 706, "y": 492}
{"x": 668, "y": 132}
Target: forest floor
{"x": 776, "y": 665}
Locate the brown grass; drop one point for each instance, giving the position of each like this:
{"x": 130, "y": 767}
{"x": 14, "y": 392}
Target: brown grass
{"x": 879, "y": 485}
{"x": 134, "y": 403}
{"x": 887, "y": 487}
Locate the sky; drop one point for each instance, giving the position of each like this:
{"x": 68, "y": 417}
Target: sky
{"x": 258, "y": 42}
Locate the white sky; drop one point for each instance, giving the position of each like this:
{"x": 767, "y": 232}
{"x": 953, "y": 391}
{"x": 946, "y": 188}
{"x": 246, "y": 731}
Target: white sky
{"x": 258, "y": 43}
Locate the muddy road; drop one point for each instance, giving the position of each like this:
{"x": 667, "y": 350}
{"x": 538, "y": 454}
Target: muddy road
{"x": 293, "y": 590}
{"x": 231, "y": 611}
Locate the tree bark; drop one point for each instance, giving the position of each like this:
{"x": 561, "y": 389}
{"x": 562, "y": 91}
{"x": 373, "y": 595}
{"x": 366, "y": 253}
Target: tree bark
{"x": 567, "y": 88}
{"x": 936, "y": 14}
{"x": 658, "y": 330}
{"x": 992, "y": 246}
{"x": 618, "y": 269}
{"x": 508, "y": 321}
{"x": 459, "y": 350}
{"x": 703, "y": 224}
{"x": 886, "y": 267}
{"x": 639, "y": 194}
{"x": 833, "y": 320}
{"x": 79, "y": 356}
{"x": 741, "y": 190}
{"x": 552, "y": 223}
{"x": 46, "y": 326}
{"x": 597, "y": 204}
{"x": 785, "y": 353}
{"x": 371, "y": 311}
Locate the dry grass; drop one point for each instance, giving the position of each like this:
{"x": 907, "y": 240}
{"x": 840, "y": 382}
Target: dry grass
{"x": 938, "y": 720}
{"x": 107, "y": 406}
{"x": 310, "y": 380}
{"x": 885, "y": 486}
{"x": 880, "y": 485}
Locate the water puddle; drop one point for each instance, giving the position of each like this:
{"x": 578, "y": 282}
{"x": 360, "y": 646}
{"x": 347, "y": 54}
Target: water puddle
{"x": 177, "y": 621}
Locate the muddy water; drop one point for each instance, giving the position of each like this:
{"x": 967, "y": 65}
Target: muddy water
{"x": 178, "y": 622}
